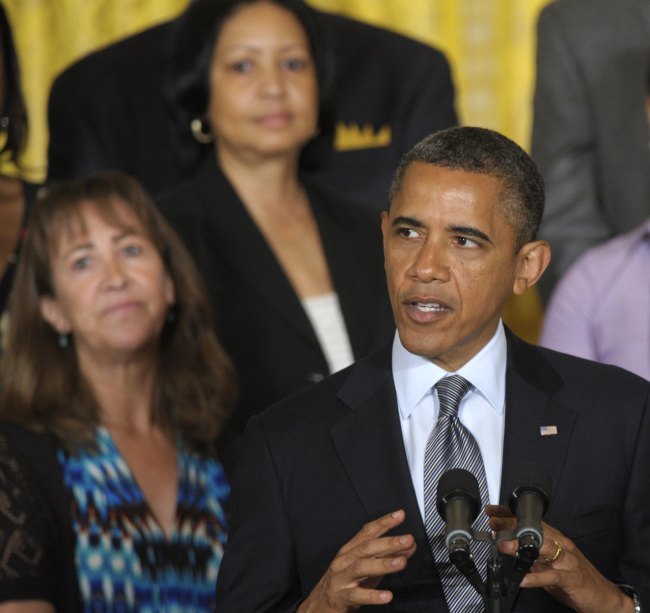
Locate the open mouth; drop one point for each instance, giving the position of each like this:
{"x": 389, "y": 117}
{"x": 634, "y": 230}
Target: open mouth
{"x": 429, "y": 307}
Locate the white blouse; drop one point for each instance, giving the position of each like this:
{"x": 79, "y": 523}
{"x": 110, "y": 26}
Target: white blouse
{"x": 326, "y": 318}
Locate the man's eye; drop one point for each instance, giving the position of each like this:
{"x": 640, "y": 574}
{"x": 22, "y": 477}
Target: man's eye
{"x": 408, "y": 233}
{"x": 463, "y": 241}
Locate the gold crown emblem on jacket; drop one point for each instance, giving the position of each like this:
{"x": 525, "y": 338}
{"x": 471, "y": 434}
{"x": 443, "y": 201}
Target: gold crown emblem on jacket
{"x": 351, "y": 137}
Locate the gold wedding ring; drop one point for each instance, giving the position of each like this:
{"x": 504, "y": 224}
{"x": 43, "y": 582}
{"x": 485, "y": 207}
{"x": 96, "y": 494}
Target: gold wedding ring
{"x": 558, "y": 553}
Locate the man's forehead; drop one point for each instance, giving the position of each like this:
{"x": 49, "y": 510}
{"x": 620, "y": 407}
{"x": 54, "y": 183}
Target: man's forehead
{"x": 428, "y": 183}
{"x": 423, "y": 170}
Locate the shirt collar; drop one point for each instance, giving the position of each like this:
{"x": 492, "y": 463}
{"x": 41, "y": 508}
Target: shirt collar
{"x": 414, "y": 375}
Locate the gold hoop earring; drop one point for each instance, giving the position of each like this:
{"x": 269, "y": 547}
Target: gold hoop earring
{"x": 199, "y": 132}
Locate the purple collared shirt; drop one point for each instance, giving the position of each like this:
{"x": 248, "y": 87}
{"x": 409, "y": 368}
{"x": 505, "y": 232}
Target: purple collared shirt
{"x": 600, "y": 309}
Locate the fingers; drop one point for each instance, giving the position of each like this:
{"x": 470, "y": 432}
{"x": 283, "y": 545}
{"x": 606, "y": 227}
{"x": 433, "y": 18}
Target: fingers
{"x": 359, "y": 566}
{"x": 501, "y": 517}
{"x": 567, "y": 575}
{"x": 493, "y": 510}
{"x": 371, "y": 554}
{"x": 374, "y": 530}
{"x": 549, "y": 548}
{"x": 374, "y": 558}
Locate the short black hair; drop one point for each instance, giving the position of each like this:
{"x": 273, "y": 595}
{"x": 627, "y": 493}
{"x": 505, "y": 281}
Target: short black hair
{"x": 14, "y": 111}
{"x": 187, "y": 86}
{"x": 487, "y": 152}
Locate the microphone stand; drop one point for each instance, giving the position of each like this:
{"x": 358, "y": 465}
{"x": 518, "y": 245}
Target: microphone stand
{"x": 495, "y": 601}
{"x": 497, "y": 593}
{"x": 525, "y": 557}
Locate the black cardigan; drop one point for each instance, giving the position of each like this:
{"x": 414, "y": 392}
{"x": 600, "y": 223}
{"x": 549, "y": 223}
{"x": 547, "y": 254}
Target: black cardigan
{"x": 35, "y": 521}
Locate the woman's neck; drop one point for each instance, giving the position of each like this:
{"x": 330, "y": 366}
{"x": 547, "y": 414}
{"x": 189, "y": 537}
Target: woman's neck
{"x": 266, "y": 186}
{"x": 123, "y": 390}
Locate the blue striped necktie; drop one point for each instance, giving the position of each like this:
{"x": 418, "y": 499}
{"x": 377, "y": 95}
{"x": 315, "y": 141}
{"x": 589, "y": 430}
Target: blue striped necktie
{"x": 451, "y": 445}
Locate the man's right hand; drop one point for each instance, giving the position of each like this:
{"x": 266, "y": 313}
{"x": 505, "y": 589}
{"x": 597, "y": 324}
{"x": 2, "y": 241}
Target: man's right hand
{"x": 359, "y": 566}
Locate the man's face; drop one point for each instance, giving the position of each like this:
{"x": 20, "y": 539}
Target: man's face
{"x": 450, "y": 262}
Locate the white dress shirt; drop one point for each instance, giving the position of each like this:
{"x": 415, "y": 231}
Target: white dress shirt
{"x": 481, "y": 411}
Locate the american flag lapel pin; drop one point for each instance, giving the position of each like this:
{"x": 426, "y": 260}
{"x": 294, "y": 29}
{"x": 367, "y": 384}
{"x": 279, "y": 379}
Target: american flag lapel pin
{"x": 548, "y": 430}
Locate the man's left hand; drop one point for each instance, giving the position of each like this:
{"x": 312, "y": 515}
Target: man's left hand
{"x": 562, "y": 570}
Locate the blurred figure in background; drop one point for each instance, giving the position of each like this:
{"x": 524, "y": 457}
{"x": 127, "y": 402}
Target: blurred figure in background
{"x": 295, "y": 274}
{"x": 114, "y": 391}
{"x": 589, "y": 134}
{"x": 16, "y": 196}
{"x": 108, "y": 109}
{"x": 599, "y": 309}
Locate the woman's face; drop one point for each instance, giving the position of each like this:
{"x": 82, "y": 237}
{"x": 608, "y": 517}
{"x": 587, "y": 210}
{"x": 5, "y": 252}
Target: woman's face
{"x": 263, "y": 87}
{"x": 112, "y": 290}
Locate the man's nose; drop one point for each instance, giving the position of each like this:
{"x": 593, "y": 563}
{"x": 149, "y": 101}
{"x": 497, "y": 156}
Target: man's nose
{"x": 431, "y": 262}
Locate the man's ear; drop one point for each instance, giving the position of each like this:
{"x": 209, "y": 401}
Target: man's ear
{"x": 533, "y": 258}
{"x": 384, "y": 223}
{"x": 384, "y": 231}
{"x": 52, "y": 314}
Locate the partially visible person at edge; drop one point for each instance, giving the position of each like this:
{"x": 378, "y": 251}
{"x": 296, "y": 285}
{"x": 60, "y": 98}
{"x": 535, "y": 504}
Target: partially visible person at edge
{"x": 114, "y": 391}
{"x": 588, "y": 134}
{"x": 16, "y": 196}
{"x": 282, "y": 259}
{"x": 599, "y": 309}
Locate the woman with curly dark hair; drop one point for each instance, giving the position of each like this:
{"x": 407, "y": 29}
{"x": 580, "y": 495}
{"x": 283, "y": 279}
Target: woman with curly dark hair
{"x": 295, "y": 273}
{"x": 16, "y": 196}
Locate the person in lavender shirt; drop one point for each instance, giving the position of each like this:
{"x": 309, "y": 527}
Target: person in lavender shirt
{"x": 600, "y": 308}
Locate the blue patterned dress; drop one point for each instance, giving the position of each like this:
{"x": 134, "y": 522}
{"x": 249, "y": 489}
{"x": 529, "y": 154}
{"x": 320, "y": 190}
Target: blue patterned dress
{"x": 125, "y": 562}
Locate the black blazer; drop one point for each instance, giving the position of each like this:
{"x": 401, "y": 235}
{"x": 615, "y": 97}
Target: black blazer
{"x": 108, "y": 110}
{"x": 319, "y": 465}
{"x": 258, "y": 316}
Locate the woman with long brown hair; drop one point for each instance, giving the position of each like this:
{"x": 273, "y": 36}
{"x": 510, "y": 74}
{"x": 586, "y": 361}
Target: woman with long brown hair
{"x": 114, "y": 391}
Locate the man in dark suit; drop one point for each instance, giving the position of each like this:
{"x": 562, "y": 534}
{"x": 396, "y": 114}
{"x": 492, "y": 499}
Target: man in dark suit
{"x": 459, "y": 237}
{"x": 108, "y": 110}
{"x": 590, "y": 134}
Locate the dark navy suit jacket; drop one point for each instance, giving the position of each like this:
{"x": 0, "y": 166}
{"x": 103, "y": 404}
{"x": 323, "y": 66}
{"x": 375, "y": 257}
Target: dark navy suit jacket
{"x": 322, "y": 463}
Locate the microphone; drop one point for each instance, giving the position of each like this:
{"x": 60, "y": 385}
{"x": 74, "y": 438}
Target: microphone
{"x": 529, "y": 501}
{"x": 458, "y": 501}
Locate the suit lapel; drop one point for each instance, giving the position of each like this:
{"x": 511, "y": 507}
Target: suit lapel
{"x": 346, "y": 254}
{"x": 371, "y": 448}
{"x": 537, "y": 427}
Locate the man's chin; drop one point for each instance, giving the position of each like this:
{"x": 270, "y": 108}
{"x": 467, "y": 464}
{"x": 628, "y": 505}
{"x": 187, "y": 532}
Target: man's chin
{"x": 419, "y": 344}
